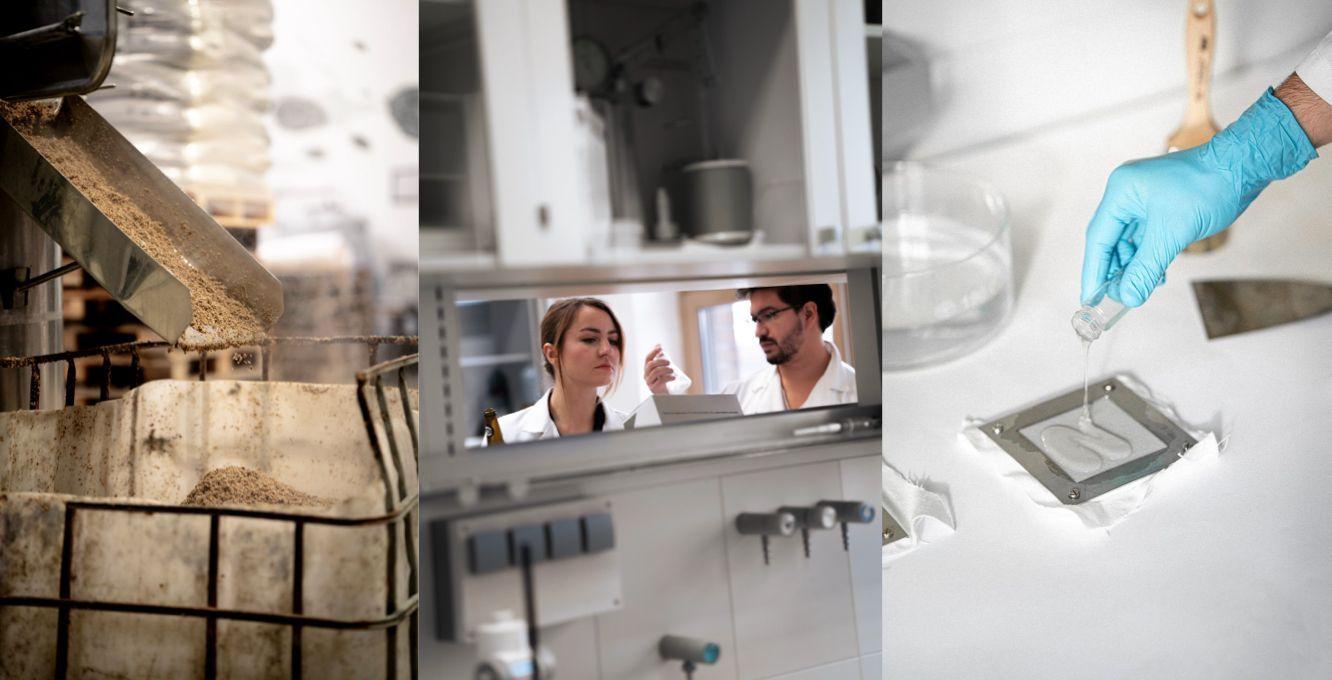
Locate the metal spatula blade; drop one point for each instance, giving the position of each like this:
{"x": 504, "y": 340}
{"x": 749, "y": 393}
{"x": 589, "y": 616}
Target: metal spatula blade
{"x": 1229, "y": 307}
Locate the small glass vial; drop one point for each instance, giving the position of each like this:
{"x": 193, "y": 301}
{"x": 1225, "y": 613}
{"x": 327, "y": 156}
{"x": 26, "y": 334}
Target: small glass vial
{"x": 1101, "y": 312}
{"x": 681, "y": 383}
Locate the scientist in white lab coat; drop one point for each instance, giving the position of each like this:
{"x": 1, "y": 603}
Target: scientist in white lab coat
{"x": 805, "y": 370}
{"x": 582, "y": 345}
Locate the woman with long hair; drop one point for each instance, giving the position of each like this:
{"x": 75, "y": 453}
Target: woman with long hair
{"x": 582, "y": 345}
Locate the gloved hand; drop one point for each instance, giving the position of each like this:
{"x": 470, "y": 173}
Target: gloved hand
{"x": 1154, "y": 208}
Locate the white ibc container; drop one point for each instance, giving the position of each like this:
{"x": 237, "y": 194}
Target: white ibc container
{"x": 150, "y": 448}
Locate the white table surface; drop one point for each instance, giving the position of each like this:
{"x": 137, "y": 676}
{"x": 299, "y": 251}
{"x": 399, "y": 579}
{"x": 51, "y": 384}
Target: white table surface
{"x": 1226, "y": 574}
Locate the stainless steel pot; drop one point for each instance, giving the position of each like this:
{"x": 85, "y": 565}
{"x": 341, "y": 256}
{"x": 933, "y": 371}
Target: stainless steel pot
{"x": 719, "y": 202}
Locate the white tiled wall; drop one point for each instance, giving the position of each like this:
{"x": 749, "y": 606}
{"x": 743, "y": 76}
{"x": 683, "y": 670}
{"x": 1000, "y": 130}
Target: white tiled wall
{"x": 1004, "y": 67}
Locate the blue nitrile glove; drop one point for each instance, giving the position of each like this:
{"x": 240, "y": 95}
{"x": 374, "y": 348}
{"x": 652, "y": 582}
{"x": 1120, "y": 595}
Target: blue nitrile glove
{"x": 1154, "y": 208}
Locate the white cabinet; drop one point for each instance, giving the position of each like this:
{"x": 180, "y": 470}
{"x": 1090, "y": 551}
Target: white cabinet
{"x": 780, "y": 84}
{"x": 528, "y": 80}
{"x": 795, "y": 611}
{"x": 836, "y": 129}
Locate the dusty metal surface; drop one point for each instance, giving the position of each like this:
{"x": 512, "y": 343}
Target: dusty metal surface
{"x": 30, "y": 320}
{"x": 139, "y": 282}
{"x": 56, "y": 48}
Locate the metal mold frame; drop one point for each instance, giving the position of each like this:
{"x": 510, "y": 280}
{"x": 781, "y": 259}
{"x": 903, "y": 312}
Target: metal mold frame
{"x": 1006, "y": 432}
{"x": 892, "y": 530}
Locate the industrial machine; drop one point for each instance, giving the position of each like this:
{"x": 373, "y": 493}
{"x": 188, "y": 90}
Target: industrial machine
{"x": 106, "y": 571}
{"x": 733, "y": 547}
{"x": 68, "y": 47}
{"x": 69, "y": 182}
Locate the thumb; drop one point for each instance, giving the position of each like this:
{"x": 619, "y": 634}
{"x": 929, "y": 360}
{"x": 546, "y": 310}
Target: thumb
{"x": 1147, "y": 269}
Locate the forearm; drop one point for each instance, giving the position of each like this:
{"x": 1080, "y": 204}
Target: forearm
{"x": 1313, "y": 114}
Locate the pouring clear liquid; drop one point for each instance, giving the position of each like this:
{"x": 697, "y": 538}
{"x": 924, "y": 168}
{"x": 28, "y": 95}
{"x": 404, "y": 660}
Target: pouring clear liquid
{"x": 1089, "y": 447}
{"x": 1100, "y": 312}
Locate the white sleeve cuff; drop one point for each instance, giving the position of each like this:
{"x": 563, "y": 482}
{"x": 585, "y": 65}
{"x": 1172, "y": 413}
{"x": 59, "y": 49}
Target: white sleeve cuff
{"x": 1316, "y": 69}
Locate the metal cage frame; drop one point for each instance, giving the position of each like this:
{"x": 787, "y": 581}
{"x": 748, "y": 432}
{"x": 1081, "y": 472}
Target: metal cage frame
{"x": 267, "y": 348}
{"x": 401, "y": 507}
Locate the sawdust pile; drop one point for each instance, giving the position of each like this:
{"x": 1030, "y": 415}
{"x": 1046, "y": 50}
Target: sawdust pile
{"x": 218, "y": 319}
{"x": 25, "y": 116}
{"x": 235, "y": 485}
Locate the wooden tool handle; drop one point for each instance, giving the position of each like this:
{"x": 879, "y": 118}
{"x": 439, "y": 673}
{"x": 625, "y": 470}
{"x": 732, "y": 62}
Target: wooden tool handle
{"x": 1200, "y": 43}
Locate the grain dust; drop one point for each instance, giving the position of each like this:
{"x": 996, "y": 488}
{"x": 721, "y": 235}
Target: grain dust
{"x": 234, "y": 485}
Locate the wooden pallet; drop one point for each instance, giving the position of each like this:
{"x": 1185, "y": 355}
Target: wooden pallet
{"x": 158, "y": 364}
{"x": 222, "y": 364}
{"x": 155, "y": 364}
{"x": 88, "y": 375}
{"x": 232, "y": 207}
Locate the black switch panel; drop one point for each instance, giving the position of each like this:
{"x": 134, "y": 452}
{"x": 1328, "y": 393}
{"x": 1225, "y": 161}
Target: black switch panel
{"x": 532, "y": 535}
{"x": 565, "y": 538}
{"x": 487, "y": 552}
{"x": 447, "y": 628}
{"x": 598, "y": 533}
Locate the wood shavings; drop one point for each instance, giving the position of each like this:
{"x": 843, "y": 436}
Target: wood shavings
{"x": 218, "y": 320}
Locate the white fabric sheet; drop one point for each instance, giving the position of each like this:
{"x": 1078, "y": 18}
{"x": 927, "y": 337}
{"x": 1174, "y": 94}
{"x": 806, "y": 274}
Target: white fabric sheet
{"x": 924, "y": 515}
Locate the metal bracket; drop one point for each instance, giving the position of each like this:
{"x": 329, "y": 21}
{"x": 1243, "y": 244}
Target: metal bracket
{"x": 15, "y": 280}
{"x": 1006, "y": 432}
{"x": 892, "y": 530}
{"x": 10, "y": 280}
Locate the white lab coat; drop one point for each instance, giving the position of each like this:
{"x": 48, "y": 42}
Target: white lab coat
{"x": 534, "y": 422}
{"x": 762, "y": 392}
{"x": 1316, "y": 69}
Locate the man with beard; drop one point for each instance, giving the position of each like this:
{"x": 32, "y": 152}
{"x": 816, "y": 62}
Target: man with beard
{"x": 805, "y": 370}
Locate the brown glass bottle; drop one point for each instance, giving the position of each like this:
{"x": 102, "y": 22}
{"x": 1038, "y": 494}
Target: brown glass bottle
{"x": 493, "y": 434}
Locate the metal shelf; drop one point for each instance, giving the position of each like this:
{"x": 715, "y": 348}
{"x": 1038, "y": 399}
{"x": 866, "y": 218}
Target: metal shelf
{"x": 495, "y": 360}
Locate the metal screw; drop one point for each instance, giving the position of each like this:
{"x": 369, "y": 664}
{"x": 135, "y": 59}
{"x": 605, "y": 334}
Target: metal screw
{"x": 887, "y": 534}
{"x": 997, "y": 429}
{"x": 1109, "y": 388}
{"x": 1074, "y": 494}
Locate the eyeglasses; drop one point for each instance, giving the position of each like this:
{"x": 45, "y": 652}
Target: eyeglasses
{"x": 768, "y": 316}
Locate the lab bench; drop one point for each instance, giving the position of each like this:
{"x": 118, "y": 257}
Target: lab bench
{"x": 1220, "y": 574}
